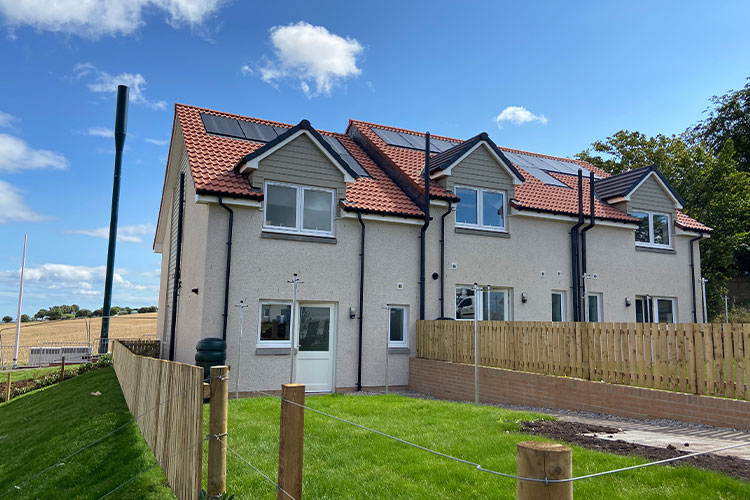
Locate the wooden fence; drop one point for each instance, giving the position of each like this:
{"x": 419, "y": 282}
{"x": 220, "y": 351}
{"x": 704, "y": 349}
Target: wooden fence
{"x": 173, "y": 430}
{"x": 704, "y": 359}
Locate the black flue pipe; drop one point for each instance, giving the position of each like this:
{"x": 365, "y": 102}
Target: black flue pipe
{"x": 177, "y": 278}
{"x": 574, "y": 251}
{"x": 228, "y": 269}
{"x": 426, "y": 224}
{"x": 121, "y": 125}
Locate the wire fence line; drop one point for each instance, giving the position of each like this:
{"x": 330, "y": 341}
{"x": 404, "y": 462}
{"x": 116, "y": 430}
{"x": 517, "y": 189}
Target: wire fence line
{"x": 94, "y": 443}
{"x": 144, "y": 471}
{"x": 497, "y": 473}
{"x": 255, "y": 468}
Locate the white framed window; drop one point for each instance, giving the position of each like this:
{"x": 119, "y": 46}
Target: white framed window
{"x": 655, "y": 309}
{"x": 274, "y": 321}
{"x": 653, "y": 230}
{"x": 289, "y": 208}
{"x": 558, "y": 306}
{"x": 481, "y": 209}
{"x": 492, "y": 304}
{"x": 594, "y": 304}
{"x": 398, "y": 326}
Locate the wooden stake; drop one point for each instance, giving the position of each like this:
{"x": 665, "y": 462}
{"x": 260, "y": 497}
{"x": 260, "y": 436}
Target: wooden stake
{"x": 62, "y": 369}
{"x": 539, "y": 460}
{"x": 291, "y": 441}
{"x": 216, "y": 484}
{"x": 7, "y": 388}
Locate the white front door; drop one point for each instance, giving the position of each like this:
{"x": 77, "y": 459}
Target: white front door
{"x": 316, "y": 328}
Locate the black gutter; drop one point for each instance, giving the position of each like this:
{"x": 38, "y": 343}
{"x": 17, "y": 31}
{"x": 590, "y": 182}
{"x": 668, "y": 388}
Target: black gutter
{"x": 228, "y": 268}
{"x": 177, "y": 270}
{"x": 426, "y": 210}
{"x": 574, "y": 252}
{"x": 692, "y": 278}
{"x": 442, "y": 260}
{"x": 361, "y": 299}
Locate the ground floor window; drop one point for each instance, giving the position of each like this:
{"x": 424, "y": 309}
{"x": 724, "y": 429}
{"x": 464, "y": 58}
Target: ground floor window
{"x": 650, "y": 309}
{"x": 274, "y": 321}
{"x": 558, "y": 306}
{"x": 594, "y": 301}
{"x": 397, "y": 326}
{"x": 491, "y": 303}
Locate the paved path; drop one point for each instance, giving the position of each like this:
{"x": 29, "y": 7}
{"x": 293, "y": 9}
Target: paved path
{"x": 689, "y": 438}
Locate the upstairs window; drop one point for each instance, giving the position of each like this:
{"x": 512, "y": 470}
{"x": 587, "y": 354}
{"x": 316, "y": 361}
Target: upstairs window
{"x": 298, "y": 209}
{"x": 653, "y": 230}
{"x": 480, "y": 209}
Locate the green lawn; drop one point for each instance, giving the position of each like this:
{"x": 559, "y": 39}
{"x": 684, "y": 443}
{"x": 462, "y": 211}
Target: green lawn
{"x": 40, "y": 428}
{"x": 342, "y": 461}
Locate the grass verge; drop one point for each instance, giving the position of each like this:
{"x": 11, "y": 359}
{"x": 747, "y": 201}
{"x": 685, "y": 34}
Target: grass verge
{"x": 344, "y": 462}
{"x": 41, "y": 428}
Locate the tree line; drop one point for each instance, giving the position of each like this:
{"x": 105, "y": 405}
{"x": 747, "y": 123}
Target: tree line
{"x": 709, "y": 165}
{"x": 74, "y": 311}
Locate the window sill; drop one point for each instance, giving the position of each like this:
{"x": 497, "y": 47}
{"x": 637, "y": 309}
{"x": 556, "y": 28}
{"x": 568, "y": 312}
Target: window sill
{"x": 482, "y": 232}
{"x": 398, "y": 350}
{"x": 640, "y": 248}
{"x": 298, "y": 237}
{"x": 272, "y": 351}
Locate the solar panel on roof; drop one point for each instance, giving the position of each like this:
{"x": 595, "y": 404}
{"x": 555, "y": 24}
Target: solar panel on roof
{"x": 440, "y": 145}
{"x": 346, "y": 156}
{"x": 543, "y": 165}
{"x": 258, "y": 132}
{"x": 222, "y": 126}
{"x": 391, "y": 138}
{"x": 412, "y": 141}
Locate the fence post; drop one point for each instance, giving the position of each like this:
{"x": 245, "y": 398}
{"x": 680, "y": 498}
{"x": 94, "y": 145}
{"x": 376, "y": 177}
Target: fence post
{"x": 62, "y": 369}
{"x": 291, "y": 441}
{"x": 541, "y": 460}
{"x": 216, "y": 484}
{"x": 7, "y": 388}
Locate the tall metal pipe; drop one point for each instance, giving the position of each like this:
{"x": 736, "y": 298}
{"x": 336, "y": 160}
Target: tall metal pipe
{"x": 228, "y": 268}
{"x": 177, "y": 278}
{"x": 121, "y": 121}
{"x": 442, "y": 260}
{"x": 584, "y": 297}
{"x": 692, "y": 277}
{"x": 574, "y": 251}
{"x": 361, "y": 299}
{"x": 426, "y": 224}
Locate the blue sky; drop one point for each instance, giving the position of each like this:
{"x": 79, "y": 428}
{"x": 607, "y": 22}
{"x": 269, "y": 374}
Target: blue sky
{"x": 559, "y": 74}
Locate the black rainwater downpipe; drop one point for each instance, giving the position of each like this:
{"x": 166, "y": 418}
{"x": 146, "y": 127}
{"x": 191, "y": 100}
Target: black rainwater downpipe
{"x": 426, "y": 210}
{"x": 574, "y": 251}
{"x": 228, "y": 268}
{"x": 361, "y": 298}
{"x": 692, "y": 278}
{"x": 584, "y": 231}
{"x": 177, "y": 270}
{"x": 442, "y": 260}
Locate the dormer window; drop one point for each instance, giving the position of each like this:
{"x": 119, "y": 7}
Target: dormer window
{"x": 483, "y": 209}
{"x": 653, "y": 230}
{"x": 289, "y": 208}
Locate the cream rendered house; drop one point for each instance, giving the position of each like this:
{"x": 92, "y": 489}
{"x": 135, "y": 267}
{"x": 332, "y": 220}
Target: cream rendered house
{"x": 249, "y": 203}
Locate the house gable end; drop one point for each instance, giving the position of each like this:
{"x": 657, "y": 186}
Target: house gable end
{"x": 480, "y": 168}
{"x": 652, "y": 194}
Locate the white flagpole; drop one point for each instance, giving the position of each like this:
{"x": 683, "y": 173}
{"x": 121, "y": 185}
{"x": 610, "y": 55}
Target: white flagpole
{"x": 20, "y": 299}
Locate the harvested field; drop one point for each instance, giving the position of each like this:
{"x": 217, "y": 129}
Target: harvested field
{"x": 72, "y": 332}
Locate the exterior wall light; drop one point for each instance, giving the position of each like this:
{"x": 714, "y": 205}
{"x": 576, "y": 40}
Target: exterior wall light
{"x": 352, "y": 312}
{"x": 524, "y": 297}
{"x": 627, "y": 301}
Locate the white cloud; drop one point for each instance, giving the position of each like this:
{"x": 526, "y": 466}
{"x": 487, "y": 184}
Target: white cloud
{"x": 57, "y": 276}
{"x": 311, "y": 54}
{"x": 92, "y": 19}
{"x": 518, "y": 115}
{"x": 16, "y": 155}
{"x": 101, "y": 132}
{"x": 12, "y": 207}
{"x": 6, "y": 119}
{"x": 246, "y": 70}
{"x": 131, "y": 234}
{"x": 103, "y": 82}
{"x": 158, "y": 142}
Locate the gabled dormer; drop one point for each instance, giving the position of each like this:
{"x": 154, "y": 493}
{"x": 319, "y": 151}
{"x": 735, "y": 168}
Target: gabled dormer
{"x": 646, "y": 194}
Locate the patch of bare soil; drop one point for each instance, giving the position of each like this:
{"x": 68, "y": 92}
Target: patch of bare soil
{"x": 578, "y": 434}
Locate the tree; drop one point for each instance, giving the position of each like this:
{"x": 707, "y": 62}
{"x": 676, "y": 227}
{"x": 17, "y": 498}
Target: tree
{"x": 96, "y": 313}
{"x": 41, "y": 314}
{"x": 7, "y": 319}
{"x": 114, "y": 311}
{"x": 714, "y": 190}
{"x": 25, "y": 318}
{"x": 83, "y": 313}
